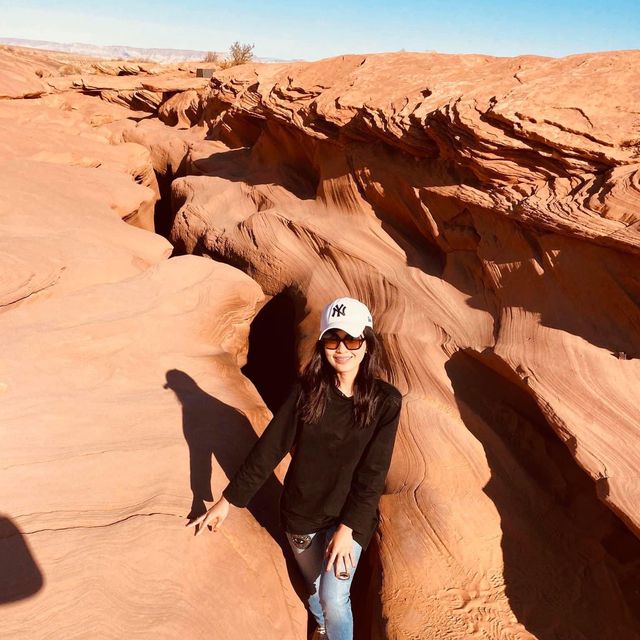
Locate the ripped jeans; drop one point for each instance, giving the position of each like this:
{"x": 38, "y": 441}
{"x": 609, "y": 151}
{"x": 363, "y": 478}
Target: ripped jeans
{"x": 329, "y": 598}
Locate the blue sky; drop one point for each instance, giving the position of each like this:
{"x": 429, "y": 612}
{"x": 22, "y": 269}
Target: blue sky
{"x": 313, "y": 30}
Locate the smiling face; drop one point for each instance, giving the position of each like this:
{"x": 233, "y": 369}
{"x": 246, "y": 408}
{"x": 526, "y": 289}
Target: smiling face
{"x": 342, "y": 359}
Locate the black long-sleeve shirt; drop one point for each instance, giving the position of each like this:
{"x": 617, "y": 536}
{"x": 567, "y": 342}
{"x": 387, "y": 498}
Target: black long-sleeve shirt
{"x": 337, "y": 472}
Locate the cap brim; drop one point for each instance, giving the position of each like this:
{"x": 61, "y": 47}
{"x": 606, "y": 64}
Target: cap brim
{"x": 351, "y": 328}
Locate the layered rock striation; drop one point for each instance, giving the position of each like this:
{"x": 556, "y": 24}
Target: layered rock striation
{"x": 486, "y": 209}
{"x": 122, "y": 406}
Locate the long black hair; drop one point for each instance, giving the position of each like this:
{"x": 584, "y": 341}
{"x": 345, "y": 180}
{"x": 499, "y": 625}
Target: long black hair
{"x": 319, "y": 376}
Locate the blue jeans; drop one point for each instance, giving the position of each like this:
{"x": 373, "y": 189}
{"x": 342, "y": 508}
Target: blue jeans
{"x": 329, "y": 598}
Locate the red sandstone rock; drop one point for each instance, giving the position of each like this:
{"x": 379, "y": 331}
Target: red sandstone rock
{"x": 21, "y": 73}
{"x": 120, "y": 370}
{"x": 486, "y": 209}
{"x": 133, "y": 379}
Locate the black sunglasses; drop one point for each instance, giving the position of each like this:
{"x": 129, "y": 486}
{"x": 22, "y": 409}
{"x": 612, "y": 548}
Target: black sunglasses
{"x": 332, "y": 341}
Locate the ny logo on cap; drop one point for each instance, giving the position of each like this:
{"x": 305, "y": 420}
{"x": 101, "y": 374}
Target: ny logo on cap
{"x": 338, "y": 310}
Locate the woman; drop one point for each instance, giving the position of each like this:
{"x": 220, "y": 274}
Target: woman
{"x": 339, "y": 422}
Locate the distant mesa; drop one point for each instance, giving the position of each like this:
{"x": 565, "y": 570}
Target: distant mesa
{"x": 118, "y": 51}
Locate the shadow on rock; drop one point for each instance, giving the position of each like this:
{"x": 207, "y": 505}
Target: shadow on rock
{"x": 213, "y": 428}
{"x": 571, "y": 567}
{"x": 20, "y": 576}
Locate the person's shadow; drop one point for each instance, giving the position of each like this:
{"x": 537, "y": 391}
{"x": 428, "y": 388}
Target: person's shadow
{"x": 212, "y": 427}
{"x": 20, "y": 576}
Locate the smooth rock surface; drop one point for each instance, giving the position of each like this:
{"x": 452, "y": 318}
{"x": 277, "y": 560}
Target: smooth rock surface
{"x": 122, "y": 407}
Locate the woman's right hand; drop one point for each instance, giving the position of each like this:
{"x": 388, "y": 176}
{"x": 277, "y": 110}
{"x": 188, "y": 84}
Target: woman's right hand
{"x": 214, "y": 516}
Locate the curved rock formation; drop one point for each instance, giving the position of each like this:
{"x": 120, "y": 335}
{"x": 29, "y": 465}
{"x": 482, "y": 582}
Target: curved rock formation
{"x": 121, "y": 400}
{"x": 487, "y": 209}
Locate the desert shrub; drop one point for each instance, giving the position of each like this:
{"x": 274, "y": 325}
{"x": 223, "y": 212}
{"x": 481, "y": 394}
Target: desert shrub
{"x": 211, "y": 56}
{"x": 69, "y": 70}
{"x": 240, "y": 53}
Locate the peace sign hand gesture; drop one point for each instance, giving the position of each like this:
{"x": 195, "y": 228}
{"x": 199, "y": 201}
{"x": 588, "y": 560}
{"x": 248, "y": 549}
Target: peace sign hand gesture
{"x": 214, "y": 516}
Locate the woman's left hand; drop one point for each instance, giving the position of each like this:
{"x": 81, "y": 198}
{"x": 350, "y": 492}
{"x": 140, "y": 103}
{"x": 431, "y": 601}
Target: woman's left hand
{"x": 340, "y": 550}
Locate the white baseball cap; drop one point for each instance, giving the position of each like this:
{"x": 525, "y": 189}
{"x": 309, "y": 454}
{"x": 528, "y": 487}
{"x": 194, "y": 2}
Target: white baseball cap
{"x": 347, "y": 314}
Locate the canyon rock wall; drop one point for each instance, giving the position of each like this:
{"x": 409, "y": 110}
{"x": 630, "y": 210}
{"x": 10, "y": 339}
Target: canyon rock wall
{"x": 487, "y": 209}
{"x": 122, "y": 406}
